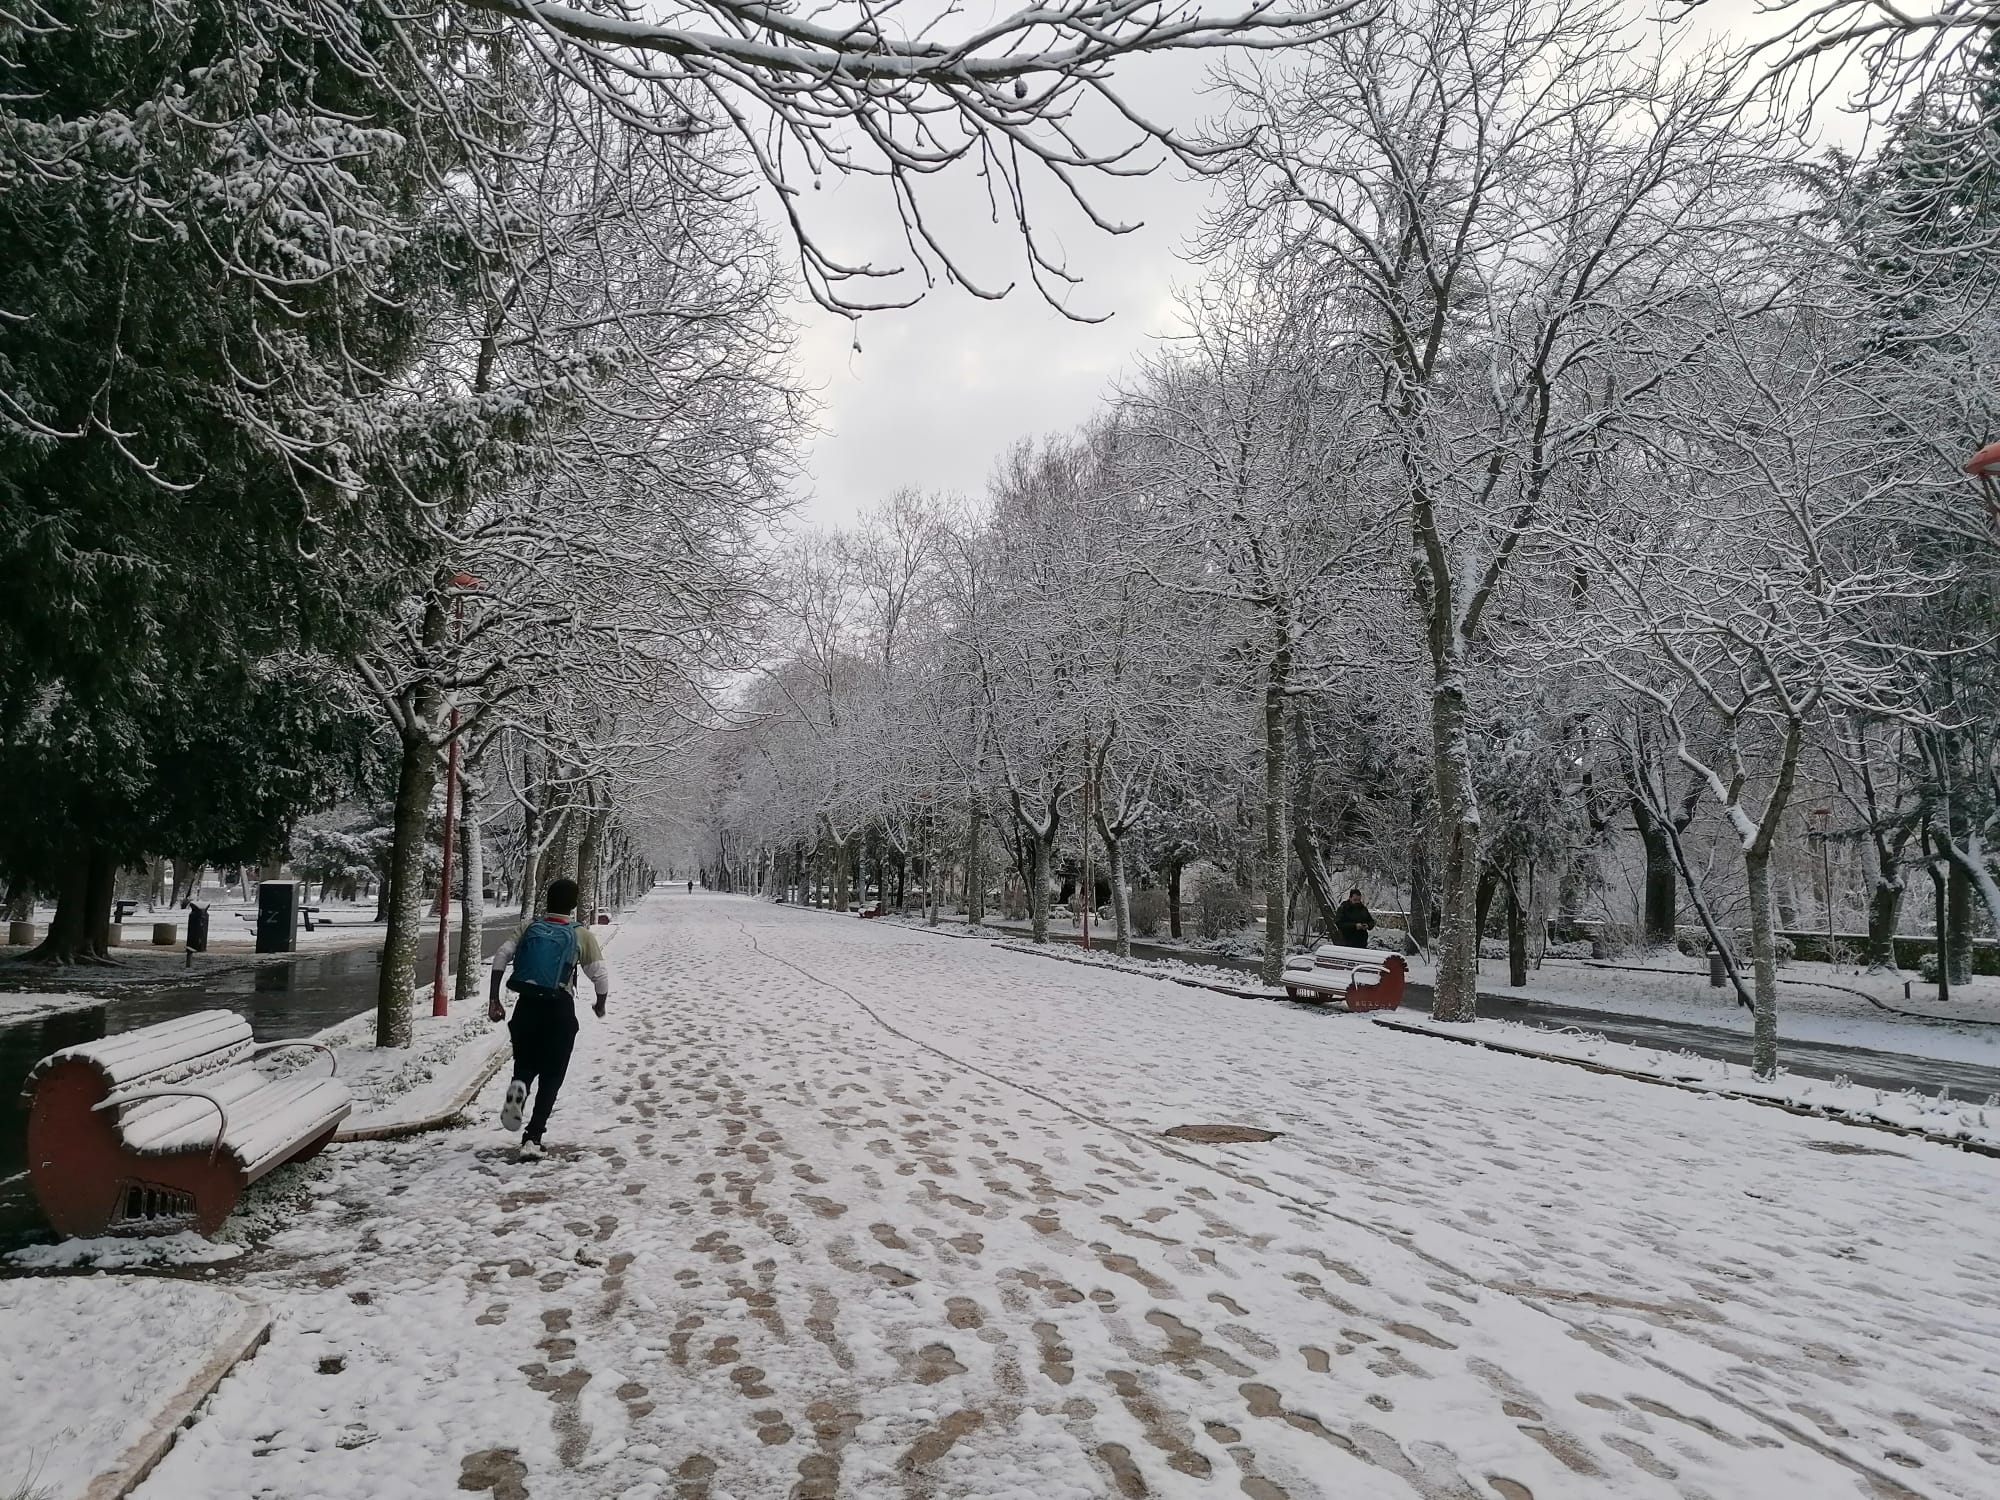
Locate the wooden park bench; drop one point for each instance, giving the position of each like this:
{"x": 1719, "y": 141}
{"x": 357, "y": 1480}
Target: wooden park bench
{"x": 872, "y": 911}
{"x": 1362, "y": 977}
{"x": 161, "y": 1129}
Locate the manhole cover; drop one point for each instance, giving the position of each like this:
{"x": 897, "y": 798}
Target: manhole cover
{"x": 1220, "y": 1135}
{"x": 1847, "y": 1148}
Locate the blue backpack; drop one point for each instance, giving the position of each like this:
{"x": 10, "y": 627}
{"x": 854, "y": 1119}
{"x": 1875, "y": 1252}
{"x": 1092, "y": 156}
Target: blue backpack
{"x": 544, "y": 957}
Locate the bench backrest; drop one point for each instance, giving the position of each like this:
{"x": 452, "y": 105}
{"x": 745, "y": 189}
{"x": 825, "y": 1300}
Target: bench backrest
{"x": 1334, "y": 956}
{"x": 170, "y": 1052}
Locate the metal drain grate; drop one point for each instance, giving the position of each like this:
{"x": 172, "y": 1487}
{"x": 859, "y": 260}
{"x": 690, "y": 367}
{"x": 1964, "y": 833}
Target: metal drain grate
{"x": 1221, "y": 1135}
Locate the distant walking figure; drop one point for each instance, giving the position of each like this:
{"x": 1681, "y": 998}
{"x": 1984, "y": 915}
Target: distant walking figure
{"x": 1352, "y": 920}
{"x": 546, "y": 955}
{"x": 690, "y": 887}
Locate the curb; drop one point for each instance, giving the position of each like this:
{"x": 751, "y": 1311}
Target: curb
{"x": 144, "y": 1456}
{"x": 1831, "y": 1113}
{"x": 390, "y": 1130}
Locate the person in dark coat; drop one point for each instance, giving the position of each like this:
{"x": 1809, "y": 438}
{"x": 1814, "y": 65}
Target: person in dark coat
{"x": 1352, "y": 920}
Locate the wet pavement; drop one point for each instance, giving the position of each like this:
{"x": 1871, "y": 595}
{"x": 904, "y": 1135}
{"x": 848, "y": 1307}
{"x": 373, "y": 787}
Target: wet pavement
{"x": 279, "y": 999}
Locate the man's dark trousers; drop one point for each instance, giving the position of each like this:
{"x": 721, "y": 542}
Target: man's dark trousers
{"x": 544, "y": 1031}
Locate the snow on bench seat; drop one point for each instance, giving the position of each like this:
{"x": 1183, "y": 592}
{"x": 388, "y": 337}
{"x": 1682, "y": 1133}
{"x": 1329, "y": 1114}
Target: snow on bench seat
{"x": 266, "y": 1118}
{"x": 162, "y": 1128}
{"x": 1365, "y": 978}
{"x": 166, "y": 1053}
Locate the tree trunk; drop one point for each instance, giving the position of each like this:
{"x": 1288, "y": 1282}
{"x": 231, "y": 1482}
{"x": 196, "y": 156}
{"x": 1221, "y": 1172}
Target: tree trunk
{"x": 589, "y": 850}
{"x": 1121, "y": 898}
{"x": 1763, "y": 963}
{"x": 472, "y": 897}
{"x": 1517, "y": 935}
{"x": 1456, "y": 994}
{"x": 1038, "y": 885}
{"x": 1660, "y": 917}
{"x": 416, "y": 779}
{"x": 1277, "y": 817}
{"x": 1958, "y": 916}
{"x": 1885, "y": 915}
{"x": 1173, "y": 898}
{"x": 560, "y": 861}
{"x": 1305, "y": 847}
{"x": 1489, "y": 887}
{"x": 975, "y": 863}
{"x": 78, "y": 930}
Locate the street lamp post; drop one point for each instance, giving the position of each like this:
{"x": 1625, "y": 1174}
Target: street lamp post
{"x": 439, "y": 1003}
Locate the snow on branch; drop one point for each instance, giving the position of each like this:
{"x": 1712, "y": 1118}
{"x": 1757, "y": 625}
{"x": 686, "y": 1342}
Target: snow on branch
{"x": 848, "y": 93}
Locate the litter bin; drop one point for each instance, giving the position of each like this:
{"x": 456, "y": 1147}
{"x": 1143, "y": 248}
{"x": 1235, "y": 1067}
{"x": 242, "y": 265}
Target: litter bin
{"x": 1718, "y": 974}
{"x": 278, "y": 916}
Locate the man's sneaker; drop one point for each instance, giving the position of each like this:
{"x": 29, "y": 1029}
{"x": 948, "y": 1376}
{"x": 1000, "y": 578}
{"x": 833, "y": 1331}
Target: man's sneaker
{"x": 531, "y": 1151}
{"x": 517, "y": 1101}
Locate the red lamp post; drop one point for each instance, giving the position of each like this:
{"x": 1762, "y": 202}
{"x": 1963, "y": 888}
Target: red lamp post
{"x": 440, "y": 1004}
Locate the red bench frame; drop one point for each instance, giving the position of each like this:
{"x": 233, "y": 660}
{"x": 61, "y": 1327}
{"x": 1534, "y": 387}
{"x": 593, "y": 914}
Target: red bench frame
{"x": 89, "y": 1179}
{"x": 1384, "y": 991}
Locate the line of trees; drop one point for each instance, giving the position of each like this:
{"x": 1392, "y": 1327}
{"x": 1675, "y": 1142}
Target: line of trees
{"x": 1552, "y": 440}
{"x": 383, "y": 383}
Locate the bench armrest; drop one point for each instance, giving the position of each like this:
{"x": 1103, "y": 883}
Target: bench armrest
{"x": 332, "y": 1060}
{"x": 140, "y": 1096}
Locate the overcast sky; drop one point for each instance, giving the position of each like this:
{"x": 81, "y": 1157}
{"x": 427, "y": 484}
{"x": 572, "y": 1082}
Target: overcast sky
{"x": 936, "y": 391}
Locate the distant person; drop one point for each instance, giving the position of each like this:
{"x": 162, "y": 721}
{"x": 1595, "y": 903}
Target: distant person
{"x": 546, "y": 955}
{"x": 690, "y": 887}
{"x": 1353, "y": 920}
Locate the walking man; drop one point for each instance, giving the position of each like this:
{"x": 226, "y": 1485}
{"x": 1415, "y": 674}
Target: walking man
{"x": 1352, "y": 920}
{"x": 546, "y": 955}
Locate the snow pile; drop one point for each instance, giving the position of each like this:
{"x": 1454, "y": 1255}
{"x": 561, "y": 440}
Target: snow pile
{"x": 122, "y": 1252}
{"x": 88, "y": 1365}
{"x": 33, "y": 1006}
{"x": 1939, "y": 1115}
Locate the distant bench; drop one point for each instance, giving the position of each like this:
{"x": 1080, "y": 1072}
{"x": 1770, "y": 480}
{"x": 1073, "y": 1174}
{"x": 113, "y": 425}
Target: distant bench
{"x": 161, "y": 1129}
{"x": 1362, "y": 977}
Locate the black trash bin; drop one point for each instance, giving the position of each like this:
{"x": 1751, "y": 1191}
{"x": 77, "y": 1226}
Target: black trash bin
{"x": 278, "y": 916}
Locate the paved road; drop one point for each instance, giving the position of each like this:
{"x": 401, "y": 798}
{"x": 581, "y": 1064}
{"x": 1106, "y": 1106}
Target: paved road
{"x": 848, "y": 1210}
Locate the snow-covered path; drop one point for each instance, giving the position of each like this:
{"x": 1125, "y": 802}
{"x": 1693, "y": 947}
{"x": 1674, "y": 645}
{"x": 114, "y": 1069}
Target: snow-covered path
{"x": 852, "y": 1210}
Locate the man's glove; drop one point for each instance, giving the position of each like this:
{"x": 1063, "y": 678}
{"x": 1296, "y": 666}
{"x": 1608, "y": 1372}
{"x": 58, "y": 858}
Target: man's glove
{"x": 598, "y": 1009}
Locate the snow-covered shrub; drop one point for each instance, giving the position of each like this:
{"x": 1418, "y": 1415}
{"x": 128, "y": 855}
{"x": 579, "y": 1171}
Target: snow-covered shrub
{"x": 1149, "y": 911}
{"x": 1613, "y": 940}
{"x": 1220, "y": 908}
{"x": 1692, "y": 945}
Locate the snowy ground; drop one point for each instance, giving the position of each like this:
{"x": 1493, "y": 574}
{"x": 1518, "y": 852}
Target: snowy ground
{"x": 851, "y": 1210}
{"x": 1838, "y": 1004}
{"x": 393, "y": 1086}
{"x": 1817, "y": 1003}
{"x": 1941, "y": 1115}
{"x": 89, "y": 1364}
